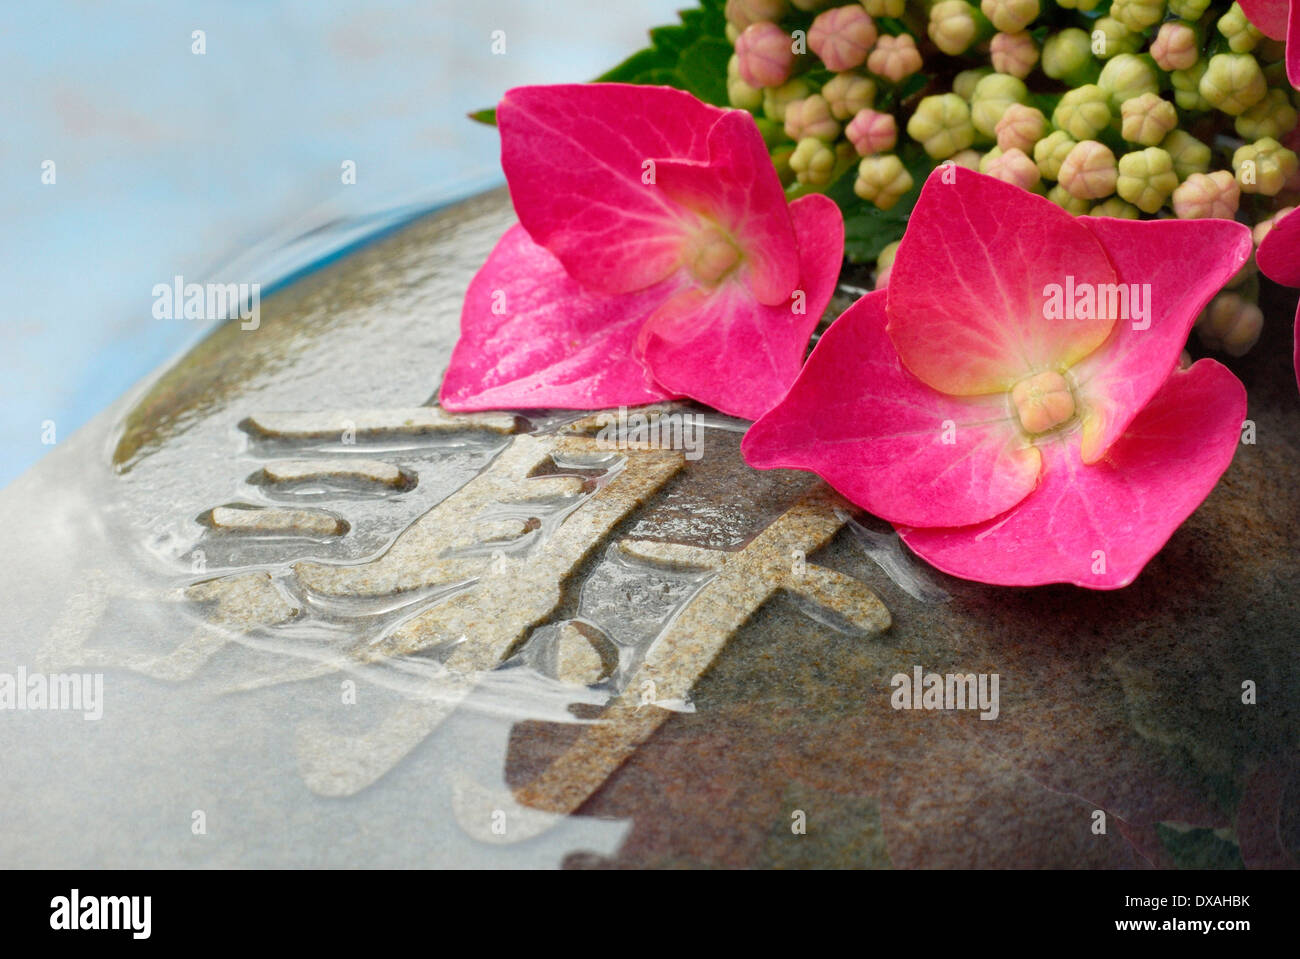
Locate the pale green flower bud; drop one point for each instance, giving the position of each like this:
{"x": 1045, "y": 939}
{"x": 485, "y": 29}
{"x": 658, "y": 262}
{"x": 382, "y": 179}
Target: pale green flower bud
{"x": 989, "y": 158}
{"x": 776, "y": 99}
{"x": 739, "y": 93}
{"x": 1012, "y": 166}
{"x": 732, "y": 33}
{"x": 1083, "y": 112}
{"x": 963, "y": 84}
{"x": 744, "y": 12}
{"x": 1264, "y": 227}
{"x": 1190, "y": 10}
{"x": 1264, "y": 166}
{"x": 1051, "y": 151}
{"x": 1146, "y": 178}
{"x": 993, "y": 94}
{"x": 942, "y": 125}
{"x": 848, "y": 94}
{"x": 1207, "y": 196}
{"x": 1020, "y": 128}
{"x": 813, "y": 162}
{"x": 882, "y": 180}
{"x": 1083, "y": 6}
{"x": 969, "y": 159}
{"x": 1189, "y": 154}
{"x": 1147, "y": 119}
{"x": 1013, "y": 53}
{"x": 1230, "y": 323}
{"x": 1272, "y": 116}
{"x": 1066, "y": 201}
{"x": 1089, "y": 172}
{"x": 1127, "y": 76}
{"x": 811, "y": 117}
{"x": 1117, "y": 208}
{"x": 1110, "y": 38}
{"x": 954, "y": 26}
{"x": 1187, "y": 87}
{"x": 1137, "y": 15}
{"x": 1233, "y": 82}
{"x": 1068, "y": 56}
{"x": 1010, "y": 16}
{"x": 1241, "y": 34}
{"x": 885, "y": 8}
{"x": 1176, "y": 46}
{"x": 884, "y": 263}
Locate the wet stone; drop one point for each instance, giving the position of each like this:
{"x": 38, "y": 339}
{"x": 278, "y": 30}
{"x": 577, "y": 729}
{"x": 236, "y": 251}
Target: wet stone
{"x": 417, "y": 421}
{"x": 360, "y": 471}
{"x": 271, "y": 520}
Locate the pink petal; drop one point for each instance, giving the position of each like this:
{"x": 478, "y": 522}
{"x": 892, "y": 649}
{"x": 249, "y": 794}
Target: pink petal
{"x": 1269, "y": 16}
{"x": 1293, "y": 45}
{"x": 574, "y": 156}
{"x": 966, "y": 291}
{"x": 728, "y": 350}
{"x": 1279, "y": 255}
{"x": 1126, "y": 506}
{"x": 554, "y": 345}
{"x": 1184, "y": 263}
{"x": 738, "y": 188}
{"x": 862, "y": 422}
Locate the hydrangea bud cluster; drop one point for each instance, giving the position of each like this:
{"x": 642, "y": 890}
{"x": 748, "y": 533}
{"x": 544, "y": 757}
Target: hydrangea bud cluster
{"x": 1118, "y": 108}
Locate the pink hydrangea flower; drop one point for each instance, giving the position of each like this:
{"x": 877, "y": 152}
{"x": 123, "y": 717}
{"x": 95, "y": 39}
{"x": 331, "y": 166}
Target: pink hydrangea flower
{"x": 1278, "y": 258}
{"x": 656, "y": 256}
{"x": 1278, "y": 20}
{"x": 1012, "y": 434}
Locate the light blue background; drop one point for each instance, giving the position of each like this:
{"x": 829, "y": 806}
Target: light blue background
{"x": 226, "y": 166}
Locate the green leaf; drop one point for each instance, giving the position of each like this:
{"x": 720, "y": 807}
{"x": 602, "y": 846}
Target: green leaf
{"x": 867, "y": 228}
{"x": 691, "y": 56}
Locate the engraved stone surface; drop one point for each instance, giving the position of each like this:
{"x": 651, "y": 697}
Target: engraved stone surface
{"x": 546, "y": 650}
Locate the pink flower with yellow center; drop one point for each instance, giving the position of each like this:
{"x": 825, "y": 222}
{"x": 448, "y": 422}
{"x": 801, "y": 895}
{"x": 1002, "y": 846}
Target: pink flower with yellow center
{"x": 655, "y": 257}
{"x": 1012, "y": 401}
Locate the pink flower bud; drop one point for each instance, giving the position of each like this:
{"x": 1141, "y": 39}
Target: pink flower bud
{"x": 872, "y": 132}
{"x": 764, "y": 55}
{"x": 1020, "y": 128}
{"x": 1013, "y": 166}
{"x": 1014, "y": 53}
{"x": 811, "y": 117}
{"x": 1175, "y": 46}
{"x": 1207, "y": 195}
{"x": 842, "y": 36}
{"x": 895, "y": 58}
{"x": 1089, "y": 171}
